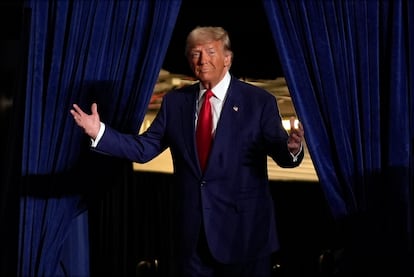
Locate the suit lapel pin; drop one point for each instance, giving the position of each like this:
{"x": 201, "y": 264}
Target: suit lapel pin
{"x": 235, "y": 108}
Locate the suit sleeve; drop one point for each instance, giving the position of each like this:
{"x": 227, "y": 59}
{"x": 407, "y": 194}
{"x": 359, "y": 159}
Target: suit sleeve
{"x": 138, "y": 148}
{"x": 276, "y": 137}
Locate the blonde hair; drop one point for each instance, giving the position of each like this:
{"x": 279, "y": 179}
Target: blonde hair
{"x": 201, "y": 35}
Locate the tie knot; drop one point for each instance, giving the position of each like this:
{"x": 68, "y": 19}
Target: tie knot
{"x": 209, "y": 93}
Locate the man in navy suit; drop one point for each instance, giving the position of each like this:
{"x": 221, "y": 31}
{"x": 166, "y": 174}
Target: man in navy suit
{"x": 225, "y": 216}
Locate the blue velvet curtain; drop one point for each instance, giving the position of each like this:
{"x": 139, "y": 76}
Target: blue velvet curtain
{"x": 349, "y": 66}
{"x": 80, "y": 51}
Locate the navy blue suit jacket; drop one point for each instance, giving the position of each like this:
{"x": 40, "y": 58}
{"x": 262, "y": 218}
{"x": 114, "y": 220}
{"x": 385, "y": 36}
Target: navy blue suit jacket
{"x": 232, "y": 198}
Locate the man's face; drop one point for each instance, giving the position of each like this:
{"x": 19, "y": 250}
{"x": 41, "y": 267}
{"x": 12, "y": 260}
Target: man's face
{"x": 209, "y": 62}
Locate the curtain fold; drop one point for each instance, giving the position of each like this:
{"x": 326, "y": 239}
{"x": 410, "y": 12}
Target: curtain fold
{"x": 109, "y": 52}
{"x": 349, "y": 67}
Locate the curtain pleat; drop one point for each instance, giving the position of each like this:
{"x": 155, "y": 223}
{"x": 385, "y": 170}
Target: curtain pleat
{"x": 349, "y": 67}
{"x": 109, "y": 52}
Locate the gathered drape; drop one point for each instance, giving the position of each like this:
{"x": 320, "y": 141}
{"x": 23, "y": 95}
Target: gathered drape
{"x": 109, "y": 52}
{"x": 349, "y": 66}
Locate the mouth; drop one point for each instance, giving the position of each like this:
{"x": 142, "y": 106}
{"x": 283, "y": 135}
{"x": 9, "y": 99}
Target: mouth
{"x": 203, "y": 70}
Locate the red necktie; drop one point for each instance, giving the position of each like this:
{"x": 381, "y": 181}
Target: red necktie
{"x": 204, "y": 130}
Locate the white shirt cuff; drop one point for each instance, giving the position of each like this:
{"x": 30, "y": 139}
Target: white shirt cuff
{"x": 295, "y": 157}
{"x": 94, "y": 142}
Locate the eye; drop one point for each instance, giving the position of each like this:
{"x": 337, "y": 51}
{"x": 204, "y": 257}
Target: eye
{"x": 211, "y": 52}
{"x": 195, "y": 55}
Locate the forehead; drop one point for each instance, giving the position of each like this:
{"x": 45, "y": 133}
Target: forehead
{"x": 206, "y": 45}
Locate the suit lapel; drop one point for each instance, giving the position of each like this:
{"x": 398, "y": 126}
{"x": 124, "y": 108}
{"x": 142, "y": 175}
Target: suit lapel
{"x": 227, "y": 129}
{"x": 228, "y": 125}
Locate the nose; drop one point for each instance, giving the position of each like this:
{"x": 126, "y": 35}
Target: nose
{"x": 203, "y": 59}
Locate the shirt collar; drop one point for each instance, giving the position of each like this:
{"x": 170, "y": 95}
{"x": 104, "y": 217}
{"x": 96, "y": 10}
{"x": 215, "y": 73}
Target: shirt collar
{"x": 220, "y": 89}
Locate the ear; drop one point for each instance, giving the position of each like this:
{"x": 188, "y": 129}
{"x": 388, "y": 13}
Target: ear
{"x": 227, "y": 60}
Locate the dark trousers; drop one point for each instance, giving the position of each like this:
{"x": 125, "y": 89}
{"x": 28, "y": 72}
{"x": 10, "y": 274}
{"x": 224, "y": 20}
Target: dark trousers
{"x": 202, "y": 264}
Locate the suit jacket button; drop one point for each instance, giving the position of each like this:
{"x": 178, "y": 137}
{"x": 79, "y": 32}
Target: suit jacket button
{"x": 202, "y": 183}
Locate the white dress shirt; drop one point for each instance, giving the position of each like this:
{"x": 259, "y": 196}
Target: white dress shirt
{"x": 219, "y": 91}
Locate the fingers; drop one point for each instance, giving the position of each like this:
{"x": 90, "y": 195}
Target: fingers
{"x": 77, "y": 111}
{"x": 296, "y": 126}
{"x": 78, "y": 114}
{"x": 299, "y": 130}
{"x": 94, "y": 108}
{"x": 292, "y": 122}
{"x": 296, "y": 130}
{"x": 90, "y": 123}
